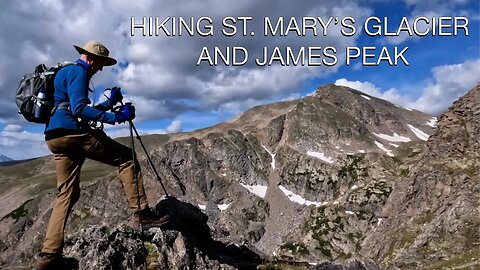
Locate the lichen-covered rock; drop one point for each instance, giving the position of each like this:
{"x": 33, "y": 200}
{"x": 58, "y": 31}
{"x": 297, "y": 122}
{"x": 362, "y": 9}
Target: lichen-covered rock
{"x": 122, "y": 248}
{"x": 185, "y": 243}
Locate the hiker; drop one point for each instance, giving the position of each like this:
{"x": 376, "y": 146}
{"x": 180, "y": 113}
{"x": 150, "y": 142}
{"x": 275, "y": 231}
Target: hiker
{"x": 71, "y": 137}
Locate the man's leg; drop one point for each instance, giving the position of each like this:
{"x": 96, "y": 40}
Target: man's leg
{"x": 102, "y": 148}
{"x": 68, "y": 186}
{"x": 106, "y": 150}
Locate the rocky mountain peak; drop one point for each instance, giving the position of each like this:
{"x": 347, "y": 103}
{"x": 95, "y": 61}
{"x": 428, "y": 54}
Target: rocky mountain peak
{"x": 337, "y": 120}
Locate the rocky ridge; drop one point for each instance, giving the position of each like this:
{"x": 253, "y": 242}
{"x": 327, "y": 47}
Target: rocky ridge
{"x": 434, "y": 213}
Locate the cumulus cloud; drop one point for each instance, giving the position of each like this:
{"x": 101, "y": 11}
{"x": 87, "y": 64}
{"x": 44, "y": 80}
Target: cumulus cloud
{"x": 17, "y": 143}
{"x": 449, "y": 83}
{"x": 158, "y": 74}
{"x": 14, "y": 140}
{"x": 391, "y": 94}
{"x": 124, "y": 131}
{"x": 160, "y": 71}
{"x": 117, "y": 131}
{"x": 175, "y": 126}
{"x": 13, "y": 128}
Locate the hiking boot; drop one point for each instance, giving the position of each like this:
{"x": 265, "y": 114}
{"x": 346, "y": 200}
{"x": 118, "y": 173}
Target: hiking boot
{"x": 55, "y": 261}
{"x": 149, "y": 219}
{"x": 49, "y": 261}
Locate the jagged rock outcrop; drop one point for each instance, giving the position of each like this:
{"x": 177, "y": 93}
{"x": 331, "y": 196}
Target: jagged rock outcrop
{"x": 185, "y": 243}
{"x": 434, "y": 213}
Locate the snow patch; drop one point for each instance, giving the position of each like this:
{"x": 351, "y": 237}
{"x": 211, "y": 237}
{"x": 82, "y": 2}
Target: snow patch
{"x": 258, "y": 190}
{"x": 365, "y": 97}
{"x": 394, "y": 138}
{"x": 336, "y": 202}
{"x": 349, "y": 213}
{"x": 394, "y": 145}
{"x": 361, "y": 151}
{"x": 298, "y": 199}
{"x": 320, "y": 156}
{"x": 379, "y": 221}
{"x": 381, "y": 146}
{"x": 223, "y": 206}
{"x": 354, "y": 187}
{"x": 337, "y": 147}
{"x": 273, "y": 156}
{"x": 224, "y": 174}
{"x": 420, "y": 134}
{"x": 202, "y": 206}
{"x": 432, "y": 122}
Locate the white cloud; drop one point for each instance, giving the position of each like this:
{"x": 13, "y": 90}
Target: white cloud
{"x": 159, "y": 71}
{"x": 369, "y": 88}
{"x": 123, "y": 130}
{"x": 175, "y": 126}
{"x": 158, "y": 74}
{"x": 449, "y": 83}
{"x": 237, "y": 107}
{"x": 13, "y": 128}
{"x": 20, "y": 144}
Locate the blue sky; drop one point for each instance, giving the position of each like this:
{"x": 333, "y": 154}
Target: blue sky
{"x": 172, "y": 94}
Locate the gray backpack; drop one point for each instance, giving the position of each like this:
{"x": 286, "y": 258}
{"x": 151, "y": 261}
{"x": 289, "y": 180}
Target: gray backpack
{"x": 35, "y": 93}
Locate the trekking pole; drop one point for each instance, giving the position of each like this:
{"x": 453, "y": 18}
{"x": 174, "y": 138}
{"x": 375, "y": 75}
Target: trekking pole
{"x": 137, "y": 188}
{"x": 132, "y": 127}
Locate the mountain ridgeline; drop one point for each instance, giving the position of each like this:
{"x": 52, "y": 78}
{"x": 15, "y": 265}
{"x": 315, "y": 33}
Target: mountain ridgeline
{"x": 4, "y": 158}
{"x": 335, "y": 180}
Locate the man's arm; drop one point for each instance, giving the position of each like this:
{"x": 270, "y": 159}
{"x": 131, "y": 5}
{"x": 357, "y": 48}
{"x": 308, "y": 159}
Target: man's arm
{"x": 104, "y": 106}
{"x": 77, "y": 87}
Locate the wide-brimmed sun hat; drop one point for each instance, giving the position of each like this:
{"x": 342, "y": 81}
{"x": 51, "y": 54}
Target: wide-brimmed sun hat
{"x": 98, "y": 50}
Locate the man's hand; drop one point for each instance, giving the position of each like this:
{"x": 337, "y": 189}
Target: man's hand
{"x": 115, "y": 95}
{"x": 127, "y": 113}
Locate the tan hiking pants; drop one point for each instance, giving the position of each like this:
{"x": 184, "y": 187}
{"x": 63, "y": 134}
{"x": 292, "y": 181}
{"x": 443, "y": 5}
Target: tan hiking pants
{"x": 69, "y": 153}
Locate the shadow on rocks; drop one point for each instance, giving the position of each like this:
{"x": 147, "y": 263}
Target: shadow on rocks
{"x": 70, "y": 263}
{"x": 192, "y": 223}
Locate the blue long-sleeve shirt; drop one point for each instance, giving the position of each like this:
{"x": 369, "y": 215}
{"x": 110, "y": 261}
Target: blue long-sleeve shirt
{"x": 71, "y": 85}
